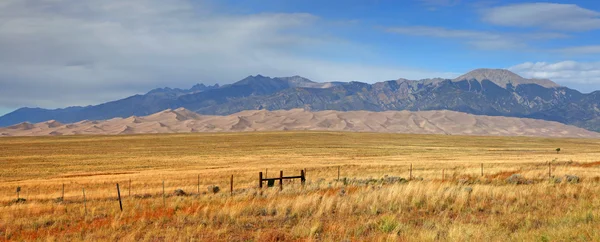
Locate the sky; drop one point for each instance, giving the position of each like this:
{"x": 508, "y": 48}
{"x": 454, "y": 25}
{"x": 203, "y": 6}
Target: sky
{"x": 59, "y": 53}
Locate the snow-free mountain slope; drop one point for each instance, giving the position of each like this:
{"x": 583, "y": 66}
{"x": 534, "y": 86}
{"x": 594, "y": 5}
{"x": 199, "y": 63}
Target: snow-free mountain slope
{"x": 502, "y": 78}
{"x": 493, "y": 92}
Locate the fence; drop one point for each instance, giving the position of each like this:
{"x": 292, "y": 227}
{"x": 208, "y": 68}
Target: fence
{"x": 271, "y": 182}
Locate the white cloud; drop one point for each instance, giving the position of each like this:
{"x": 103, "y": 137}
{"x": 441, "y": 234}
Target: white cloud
{"x": 567, "y": 17}
{"x": 71, "y": 52}
{"x": 581, "y": 50}
{"x": 478, "y": 39}
{"x": 561, "y": 72}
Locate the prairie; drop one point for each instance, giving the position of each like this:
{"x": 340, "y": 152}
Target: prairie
{"x": 447, "y": 199}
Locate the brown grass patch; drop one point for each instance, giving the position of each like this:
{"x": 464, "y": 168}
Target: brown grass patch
{"x": 590, "y": 164}
{"x": 420, "y": 210}
{"x": 502, "y": 175}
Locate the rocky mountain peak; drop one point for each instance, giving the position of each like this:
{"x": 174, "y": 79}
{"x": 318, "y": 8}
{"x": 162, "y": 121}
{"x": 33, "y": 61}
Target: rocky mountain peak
{"x": 178, "y": 91}
{"x": 503, "y": 77}
{"x": 292, "y": 81}
{"x": 254, "y": 80}
{"x": 298, "y": 81}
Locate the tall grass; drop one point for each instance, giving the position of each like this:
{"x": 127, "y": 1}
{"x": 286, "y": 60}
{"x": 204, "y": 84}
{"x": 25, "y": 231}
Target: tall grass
{"x": 463, "y": 207}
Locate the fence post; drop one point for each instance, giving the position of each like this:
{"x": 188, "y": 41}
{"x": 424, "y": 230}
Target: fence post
{"x": 549, "y": 169}
{"x": 338, "y": 173}
{"x": 481, "y": 169}
{"x": 63, "y": 193}
{"x": 231, "y": 184}
{"x": 302, "y": 177}
{"x": 119, "y": 194}
{"x": 84, "y": 203}
{"x": 164, "y": 199}
{"x": 260, "y": 179}
{"x": 410, "y": 172}
{"x": 129, "y": 188}
{"x": 198, "y": 184}
{"x": 443, "y": 175}
{"x": 280, "y": 180}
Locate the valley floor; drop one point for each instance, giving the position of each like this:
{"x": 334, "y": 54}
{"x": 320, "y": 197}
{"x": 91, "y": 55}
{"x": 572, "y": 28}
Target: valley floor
{"x": 448, "y": 198}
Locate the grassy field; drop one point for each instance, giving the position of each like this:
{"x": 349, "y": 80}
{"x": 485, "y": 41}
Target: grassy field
{"x": 366, "y": 204}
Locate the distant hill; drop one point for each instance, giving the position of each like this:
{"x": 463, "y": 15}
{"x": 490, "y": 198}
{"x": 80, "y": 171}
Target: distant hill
{"x": 424, "y": 122}
{"x": 493, "y": 92}
{"x": 151, "y": 102}
{"x": 503, "y": 78}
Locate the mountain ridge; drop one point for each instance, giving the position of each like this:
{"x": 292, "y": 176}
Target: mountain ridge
{"x": 506, "y": 95}
{"x": 503, "y": 78}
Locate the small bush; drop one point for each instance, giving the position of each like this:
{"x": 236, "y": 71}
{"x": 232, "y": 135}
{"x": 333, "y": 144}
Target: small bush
{"x": 214, "y": 189}
{"x": 572, "y": 179}
{"x": 388, "y": 224}
{"x": 179, "y": 193}
{"x": 518, "y": 179}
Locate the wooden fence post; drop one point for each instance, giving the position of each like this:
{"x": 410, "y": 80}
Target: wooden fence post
{"x": 129, "y": 188}
{"x": 260, "y": 180}
{"x": 338, "y": 173}
{"x": 198, "y": 184}
{"x": 164, "y": 199}
{"x": 443, "y": 175}
{"x": 481, "y": 169}
{"x": 410, "y": 172}
{"x": 280, "y": 180}
{"x": 85, "y": 203}
{"x": 63, "y": 193}
{"x": 231, "y": 184}
{"x": 302, "y": 177}
{"x": 549, "y": 169}
{"x": 119, "y": 195}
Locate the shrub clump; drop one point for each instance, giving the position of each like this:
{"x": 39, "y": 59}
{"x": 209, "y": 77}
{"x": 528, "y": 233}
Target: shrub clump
{"x": 179, "y": 192}
{"x": 572, "y": 179}
{"x": 518, "y": 179}
{"x": 214, "y": 189}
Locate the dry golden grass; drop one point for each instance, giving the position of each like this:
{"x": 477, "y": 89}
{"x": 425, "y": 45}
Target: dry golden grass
{"x": 465, "y": 206}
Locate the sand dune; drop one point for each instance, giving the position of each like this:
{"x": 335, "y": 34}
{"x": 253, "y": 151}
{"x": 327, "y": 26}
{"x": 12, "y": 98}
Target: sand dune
{"x": 423, "y": 122}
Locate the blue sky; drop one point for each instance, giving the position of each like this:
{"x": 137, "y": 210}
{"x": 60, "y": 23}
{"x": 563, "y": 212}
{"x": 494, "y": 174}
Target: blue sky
{"x": 454, "y": 36}
{"x": 69, "y": 52}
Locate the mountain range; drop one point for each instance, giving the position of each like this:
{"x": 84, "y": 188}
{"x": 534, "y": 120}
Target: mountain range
{"x": 422, "y": 122}
{"x": 492, "y": 92}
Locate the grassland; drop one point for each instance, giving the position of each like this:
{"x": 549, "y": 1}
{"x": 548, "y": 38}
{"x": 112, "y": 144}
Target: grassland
{"x": 464, "y": 206}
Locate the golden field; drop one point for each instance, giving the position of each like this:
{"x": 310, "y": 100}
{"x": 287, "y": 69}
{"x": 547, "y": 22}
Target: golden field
{"x": 464, "y": 206}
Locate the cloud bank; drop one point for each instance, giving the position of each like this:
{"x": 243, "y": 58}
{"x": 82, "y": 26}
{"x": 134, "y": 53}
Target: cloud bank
{"x": 71, "y": 52}
{"x": 562, "y": 72}
{"x": 555, "y": 16}
{"x": 478, "y": 39}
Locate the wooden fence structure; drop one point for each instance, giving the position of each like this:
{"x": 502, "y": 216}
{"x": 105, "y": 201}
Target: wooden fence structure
{"x": 262, "y": 179}
{"x": 302, "y": 178}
